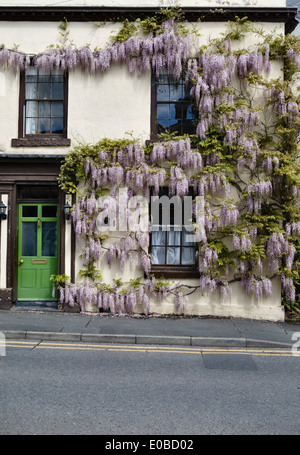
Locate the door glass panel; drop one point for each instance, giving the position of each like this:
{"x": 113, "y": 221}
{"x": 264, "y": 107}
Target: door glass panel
{"x": 30, "y": 211}
{"x": 49, "y": 211}
{"x": 29, "y": 239}
{"x": 49, "y": 236}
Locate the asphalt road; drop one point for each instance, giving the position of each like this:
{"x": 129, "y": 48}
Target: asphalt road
{"x": 52, "y": 388}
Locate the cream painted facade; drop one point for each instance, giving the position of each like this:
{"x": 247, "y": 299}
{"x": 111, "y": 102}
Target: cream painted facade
{"x": 105, "y": 105}
{"x": 89, "y": 122}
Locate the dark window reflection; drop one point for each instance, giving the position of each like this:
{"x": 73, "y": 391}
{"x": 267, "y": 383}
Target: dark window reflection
{"x": 174, "y": 107}
{"x": 39, "y": 192}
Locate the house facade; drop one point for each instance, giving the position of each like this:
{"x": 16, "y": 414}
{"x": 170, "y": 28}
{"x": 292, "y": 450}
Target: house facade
{"x": 49, "y": 109}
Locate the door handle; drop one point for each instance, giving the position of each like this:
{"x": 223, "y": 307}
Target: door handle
{"x": 22, "y": 261}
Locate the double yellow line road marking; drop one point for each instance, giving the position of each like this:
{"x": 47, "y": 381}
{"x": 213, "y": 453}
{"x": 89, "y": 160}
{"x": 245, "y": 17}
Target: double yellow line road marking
{"x": 146, "y": 348}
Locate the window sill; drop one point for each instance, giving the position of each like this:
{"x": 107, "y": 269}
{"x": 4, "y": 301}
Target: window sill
{"x": 41, "y": 142}
{"x": 175, "y": 272}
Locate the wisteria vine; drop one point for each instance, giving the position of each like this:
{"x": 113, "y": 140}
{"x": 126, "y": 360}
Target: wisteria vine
{"x": 242, "y": 159}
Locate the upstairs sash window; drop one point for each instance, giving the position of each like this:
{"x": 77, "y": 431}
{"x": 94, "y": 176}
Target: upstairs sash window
{"x": 172, "y": 110}
{"x": 44, "y": 102}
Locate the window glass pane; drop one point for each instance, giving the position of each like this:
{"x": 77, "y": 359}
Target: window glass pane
{"x": 190, "y": 114}
{"x": 31, "y": 126}
{"x": 184, "y": 109}
{"x": 29, "y": 239}
{"x": 173, "y": 237}
{"x": 176, "y": 92}
{"x": 173, "y": 256}
{"x": 163, "y": 93}
{"x": 57, "y": 75}
{"x": 187, "y": 91}
{"x": 57, "y": 109}
{"x": 163, "y": 79}
{"x": 175, "y": 111}
{"x": 57, "y": 91}
{"x": 49, "y": 211}
{"x": 158, "y": 238}
{"x": 175, "y": 125}
{"x": 188, "y": 256}
{"x": 57, "y": 126}
{"x": 187, "y": 237}
{"x": 44, "y": 126}
{"x": 31, "y": 91}
{"x": 44, "y": 109}
{"x": 44, "y": 79}
{"x": 31, "y": 109}
{"x": 158, "y": 255}
{"x": 30, "y": 211}
{"x": 44, "y": 75}
{"x": 31, "y": 74}
{"x": 44, "y": 91}
{"x": 163, "y": 111}
{"x": 49, "y": 242}
{"x": 162, "y": 126}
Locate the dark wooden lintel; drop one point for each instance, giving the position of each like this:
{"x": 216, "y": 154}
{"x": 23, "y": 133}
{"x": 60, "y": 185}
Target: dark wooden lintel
{"x": 116, "y": 14}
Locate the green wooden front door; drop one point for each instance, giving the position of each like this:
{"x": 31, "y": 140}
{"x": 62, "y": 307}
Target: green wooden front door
{"x": 37, "y": 251}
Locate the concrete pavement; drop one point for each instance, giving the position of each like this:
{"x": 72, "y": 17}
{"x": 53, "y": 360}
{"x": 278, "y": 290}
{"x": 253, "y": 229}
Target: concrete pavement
{"x": 48, "y": 324}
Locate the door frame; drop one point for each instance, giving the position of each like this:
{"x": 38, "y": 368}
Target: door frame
{"x": 21, "y": 219}
{"x": 15, "y": 224}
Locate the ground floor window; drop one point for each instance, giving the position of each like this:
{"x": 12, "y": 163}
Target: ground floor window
{"x": 172, "y": 241}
